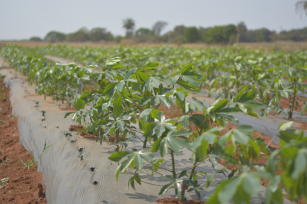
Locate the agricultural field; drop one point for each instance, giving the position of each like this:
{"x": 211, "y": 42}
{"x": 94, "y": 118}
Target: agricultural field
{"x": 212, "y": 125}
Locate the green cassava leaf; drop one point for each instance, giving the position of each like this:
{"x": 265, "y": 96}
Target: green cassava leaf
{"x": 117, "y": 156}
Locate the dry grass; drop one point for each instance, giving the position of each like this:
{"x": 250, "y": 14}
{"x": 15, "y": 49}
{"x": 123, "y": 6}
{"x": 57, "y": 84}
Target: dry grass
{"x": 280, "y": 45}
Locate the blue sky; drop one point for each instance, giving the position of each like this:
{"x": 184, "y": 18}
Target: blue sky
{"x": 25, "y": 18}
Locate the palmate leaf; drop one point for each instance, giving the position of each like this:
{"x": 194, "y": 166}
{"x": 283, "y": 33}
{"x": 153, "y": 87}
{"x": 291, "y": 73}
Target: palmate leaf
{"x": 237, "y": 190}
{"x": 150, "y": 114}
{"x": 181, "y": 94}
{"x": 199, "y": 120}
{"x": 151, "y": 84}
{"x": 217, "y": 106}
{"x": 135, "y": 178}
{"x": 274, "y": 197}
{"x": 300, "y": 164}
{"x": 146, "y": 127}
{"x": 117, "y": 102}
{"x": 200, "y": 145}
{"x": 79, "y": 103}
{"x": 117, "y": 156}
{"x": 159, "y": 129}
{"x": 118, "y": 88}
{"x": 287, "y": 133}
{"x": 291, "y": 161}
{"x": 174, "y": 140}
{"x": 238, "y": 136}
{"x": 245, "y": 94}
{"x": 190, "y": 80}
{"x": 113, "y": 61}
{"x": 254, "y": 107}
{"x": 195, "y": 105}
{"x": 134, "y": 160}
{"x": 161, "y": 100}
{"x": 201, "y": 150}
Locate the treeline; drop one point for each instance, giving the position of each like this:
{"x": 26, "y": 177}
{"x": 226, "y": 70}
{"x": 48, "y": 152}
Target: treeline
{"x": 225, "y": 34}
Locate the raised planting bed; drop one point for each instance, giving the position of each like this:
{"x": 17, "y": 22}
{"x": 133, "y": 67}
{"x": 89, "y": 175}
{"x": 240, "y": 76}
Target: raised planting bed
{"x": 19, "y": 180}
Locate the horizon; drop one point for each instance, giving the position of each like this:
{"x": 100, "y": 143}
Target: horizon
{"x": 20, "y": 19}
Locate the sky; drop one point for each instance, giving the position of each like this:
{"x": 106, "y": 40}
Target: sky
{"x": 21, "y": 19}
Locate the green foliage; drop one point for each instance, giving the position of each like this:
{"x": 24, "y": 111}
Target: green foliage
{"x": 221, "y": 34}
{"x": 54, "y": 36}
{"x": 128, "y": 25}
{"x": 28, "y": 164}
{"x": 99, "y": 34}
{"x": 3, "y": 182}
{"x": 288, "y": 166}
{"x": 35, "y": 39}
{"x": 126, "y": 96}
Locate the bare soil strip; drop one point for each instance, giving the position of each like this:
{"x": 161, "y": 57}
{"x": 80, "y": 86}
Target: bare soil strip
{"x": 20, "y": 182}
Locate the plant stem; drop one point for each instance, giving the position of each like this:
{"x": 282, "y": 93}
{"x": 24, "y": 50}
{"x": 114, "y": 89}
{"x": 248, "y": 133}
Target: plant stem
{"x": 292, "y": 101}
{"x": 145, "y": 142}
{"x": 193, "y": 170}
{"x": 174, "y": 172}
{"x": 190, "y": 179}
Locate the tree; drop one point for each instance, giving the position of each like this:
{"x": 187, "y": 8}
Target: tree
{"x": 158, "y": 27}
{"x": 191, "y": 34}
{"x": 54, "y": 36}
{"x": 80, "y": 35}
{"x": 97, "y": 34}
{"x": 129, "y": 25}
{"x": 35, "y": 39}
{"x": 219, "y": 34}
{"x": 259, "y": 35}
{"x": 241, "y": 31}
{"x": 144, "y": 35}
{"x": 294, "y": 35}
{"x": 176, "y": 35}
{"x": 263, "y": 34}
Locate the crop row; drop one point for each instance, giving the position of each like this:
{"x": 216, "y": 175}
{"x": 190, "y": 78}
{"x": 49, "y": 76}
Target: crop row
{"x": 130, "y": 96}
{"x": 275, "y": 76}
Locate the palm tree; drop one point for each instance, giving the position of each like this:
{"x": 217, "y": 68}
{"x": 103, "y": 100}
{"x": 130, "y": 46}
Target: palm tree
{"x": 158, "y": 27}
{"x": 129, "y": 25}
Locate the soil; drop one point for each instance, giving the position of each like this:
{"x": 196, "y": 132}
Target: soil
{"x": 77, "y": 128}
{"x": 300, "y": 125}
{"x": 20, "y": 183}
{"x": 175, "y": 111}
{"x": 296, "y": 124}
{"x": 177, "y": 201}
{"x": 172, "y": 112}
{"x": 262, "y": 159}
{"x": 80, "y": 129}
{"x": 284, "y": 103}
{"x": 68, "y": 109}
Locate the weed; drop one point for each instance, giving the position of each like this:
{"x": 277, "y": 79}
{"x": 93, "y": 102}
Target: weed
{"x": 3, "y": 182}
{"x": 28, "y": 164}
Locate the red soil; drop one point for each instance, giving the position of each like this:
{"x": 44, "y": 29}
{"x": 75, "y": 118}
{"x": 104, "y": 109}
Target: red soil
{"x": 296, "y": 124}
{"x": 175, "y": 111}
{"x": 76, "y": 128}
{"x": 177, "y": 201}
{"x": 18, "y": 184}
{"x": 171, "y": 112}
{"x": 284, "y": 103}
{"x": 80, "y": 129}
{"x": 300, "y": 125}
{"x": 68, "y": 109}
